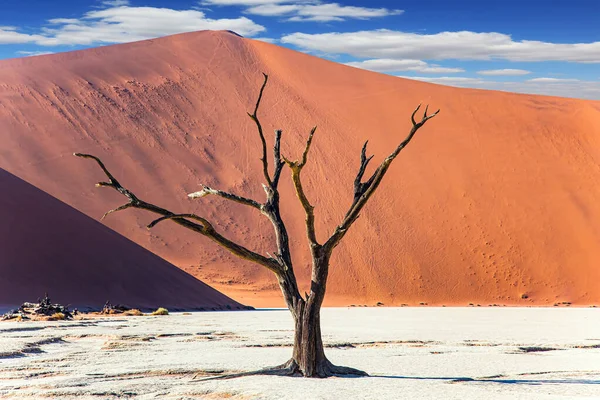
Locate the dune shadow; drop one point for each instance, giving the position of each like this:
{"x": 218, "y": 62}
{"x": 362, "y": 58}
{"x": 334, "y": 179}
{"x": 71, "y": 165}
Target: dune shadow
{"x": 507, "y": 381}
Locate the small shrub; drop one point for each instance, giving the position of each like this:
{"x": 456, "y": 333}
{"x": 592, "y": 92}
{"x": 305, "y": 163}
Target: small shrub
{"x": 57, "y": 317}
{"x": 161, "y": 311}
{"x": 134, "y": 312}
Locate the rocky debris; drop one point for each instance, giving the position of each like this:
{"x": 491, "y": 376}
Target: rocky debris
{"x": 43, "y": 308}
{"x": 110, "y": 309}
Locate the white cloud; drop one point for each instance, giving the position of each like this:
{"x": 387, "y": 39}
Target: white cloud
{"x": 391, "y": 65}
{"x": 447, "y": 80}
{"x": 273, "y": 10}
{"x": 436, "y": 69}
{"x": 9, "y": 35}
{"x": 266, "y": 39}
{"x": 115, "y": 3}
{"x": 127, "y": 24}
{"x": 545, "y": 86}
{"x": 552, "y": 80}
{"x": 465, "y": 45}
{"x": 504, "y": 72}
{"x": 305, "y": 10}
{"x": 244, "y": 2}
{"x": 59, "y": 21}
{"x": 335, "y": 12}
{"x": 33, "y": 53}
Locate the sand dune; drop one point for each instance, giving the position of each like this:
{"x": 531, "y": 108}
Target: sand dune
{"x": 494, "y": 201}
{"x": 50, "y": 247}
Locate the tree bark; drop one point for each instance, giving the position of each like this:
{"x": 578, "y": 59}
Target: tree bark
{"x": 308, "y": 356}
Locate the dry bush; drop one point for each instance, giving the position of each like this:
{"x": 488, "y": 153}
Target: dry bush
{"x": 57, "y": 317}
{"x": 134, "y": 312}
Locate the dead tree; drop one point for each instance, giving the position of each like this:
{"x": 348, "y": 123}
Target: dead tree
{"x": 308, "y": 358}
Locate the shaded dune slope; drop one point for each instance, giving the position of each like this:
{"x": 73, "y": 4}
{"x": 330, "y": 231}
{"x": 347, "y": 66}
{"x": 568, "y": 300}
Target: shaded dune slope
{"x": 494, "y": 199}
{"x": 47, "y": 246}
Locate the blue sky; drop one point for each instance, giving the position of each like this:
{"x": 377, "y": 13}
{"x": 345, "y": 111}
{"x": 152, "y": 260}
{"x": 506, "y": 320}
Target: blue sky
{"x": 531, "y": 46}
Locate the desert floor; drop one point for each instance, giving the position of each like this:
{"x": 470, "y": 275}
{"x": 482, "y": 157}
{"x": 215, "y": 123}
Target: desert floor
{"x": 410, "y": 353}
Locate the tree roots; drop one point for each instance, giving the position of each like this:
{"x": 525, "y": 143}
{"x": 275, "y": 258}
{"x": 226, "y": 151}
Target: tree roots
{"x": 325, "y": 369}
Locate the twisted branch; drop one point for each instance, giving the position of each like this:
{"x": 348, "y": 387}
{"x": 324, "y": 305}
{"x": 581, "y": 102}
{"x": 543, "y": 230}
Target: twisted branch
{"x": 364, "y": 190}
{"x": 204, "y": 228}
{"x": 254, "y": 118}
{"x": 296, "y": 167}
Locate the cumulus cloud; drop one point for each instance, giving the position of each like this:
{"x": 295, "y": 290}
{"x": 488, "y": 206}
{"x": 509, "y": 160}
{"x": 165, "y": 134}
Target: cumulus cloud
{"x": 10, "y": 35}
{"x": 464, "y": 45}
{"x": 126, "y": 24}
{"x": 546, "y": 86}
{"x": 305, "y": 10}
{"x": 391, "y": 65}
{"x": 504, "y": 72}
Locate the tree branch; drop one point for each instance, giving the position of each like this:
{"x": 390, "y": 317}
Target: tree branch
{"x": 112, "y": 182}
{"x": 278, "y": 162}
{"x": 123, "y": 207}
{"x": 307, "y": 148}
{"x": 296, "y": 167}
{"x": 238, "y": 199}
{"x": 254, "y": 118}
{"x": 205, "y": 228}
{"x": 281, "y": 261}
{"x": 203, "y": 221}
{"x": 359, "y": 187}
{"x": 364, "y": 191}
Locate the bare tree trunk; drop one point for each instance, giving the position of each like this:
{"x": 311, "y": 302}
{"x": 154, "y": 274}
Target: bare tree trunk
{"x": 312, "y": 356}
{"x": 308, "y": 357}
{"x": 309, "y": 354}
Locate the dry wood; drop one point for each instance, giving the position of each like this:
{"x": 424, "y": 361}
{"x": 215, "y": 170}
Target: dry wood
{"x": 43, "y": 308}
{"x": 308, "y": 358}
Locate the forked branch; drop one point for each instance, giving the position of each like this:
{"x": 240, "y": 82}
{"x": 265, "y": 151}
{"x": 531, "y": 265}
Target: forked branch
{"x": 364, "y": 190}
{"x": 359, "y": 186}
{"x": 296, "y": 167}
{"x": 204, "y": 228}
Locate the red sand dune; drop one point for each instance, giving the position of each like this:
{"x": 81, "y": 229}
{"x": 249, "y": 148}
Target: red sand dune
{"x": 47, "y": 246}
{"x": 495, "y": 198}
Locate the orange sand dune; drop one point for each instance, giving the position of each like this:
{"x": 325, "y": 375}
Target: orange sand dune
{"x": 47, "y": 246}
{"x": 495, "y": 198}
